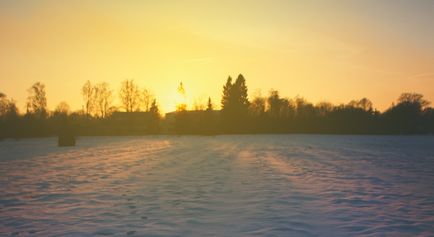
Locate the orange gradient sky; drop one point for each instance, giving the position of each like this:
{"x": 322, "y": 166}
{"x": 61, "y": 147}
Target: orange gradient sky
{"x": 322, "y": 50}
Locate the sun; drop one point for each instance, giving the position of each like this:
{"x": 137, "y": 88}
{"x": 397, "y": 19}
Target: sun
{"x": 175, "y": 100}
{"x": 181, "y": 100}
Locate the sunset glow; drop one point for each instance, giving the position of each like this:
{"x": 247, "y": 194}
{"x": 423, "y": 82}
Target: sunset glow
{"x": 216, "y": 118}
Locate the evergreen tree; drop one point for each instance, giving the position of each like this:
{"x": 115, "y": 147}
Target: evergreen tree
{"x": 235, "y": 105}
{"x": 226, "y": 97}
{"x": 234, "y": 99}
{"x": 154, "y": 123}
{"x": 240, "y": 94}
{"x": 209, "y": 106}
{"x": 154, "y": 108}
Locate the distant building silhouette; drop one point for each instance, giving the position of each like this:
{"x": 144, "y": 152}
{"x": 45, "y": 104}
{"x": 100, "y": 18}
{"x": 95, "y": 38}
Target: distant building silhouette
{"x": 132, "y": 122}
{"x": 192, "y": 122}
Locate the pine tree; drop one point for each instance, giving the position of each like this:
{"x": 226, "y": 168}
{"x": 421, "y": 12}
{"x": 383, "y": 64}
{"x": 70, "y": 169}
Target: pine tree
{"x": 154, "y": 109}
{"x": 235, "y": 105}
{"x": 209, "y": 105}
{"x": 240, "y": 87}
{"x": 226, "y": 97}
{"x": 155, "y": 117}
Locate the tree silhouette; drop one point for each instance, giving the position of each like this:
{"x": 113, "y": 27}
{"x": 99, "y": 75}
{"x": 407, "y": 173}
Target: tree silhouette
{"x": 4, "y": 104}
{"x": 324, "y": 108}
{"x": 147, "y": 99}
{"x": 363, "y": 103}
{"x": 154, "y": 108}
{"x": 240, "y": 93}
{"x": 235, "y": 104}
{"x": 407, "y": 115}
{"x": 8, "y": 107}
{"x": 87, "y": 91}
{"x": 410, "y": 114}
{"x": 275, "y": 104}
{"x": 130, "y": 95}
{"x": 199, "y": 104}
{"x": 103, "y": 99}
{"x": 209, "y": 105}
{"x": 37, "y": 100}
{"x": 154, "y": 117}
{"x": 62, "y": 108}
{"x": 226, "y": 101}
{"x": 258, "y": 105}
{"x": 413, "y": 99}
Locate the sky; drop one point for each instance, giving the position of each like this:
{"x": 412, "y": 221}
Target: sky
{"x": 331, "y": 51}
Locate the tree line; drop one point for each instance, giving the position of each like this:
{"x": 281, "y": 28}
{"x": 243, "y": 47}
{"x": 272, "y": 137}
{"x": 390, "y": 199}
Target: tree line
{"x": 411, "y": 114}
{"x": 95, "y": 118}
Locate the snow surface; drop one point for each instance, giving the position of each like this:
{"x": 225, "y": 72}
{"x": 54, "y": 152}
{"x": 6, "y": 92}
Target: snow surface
{"x": 268, "y": 185}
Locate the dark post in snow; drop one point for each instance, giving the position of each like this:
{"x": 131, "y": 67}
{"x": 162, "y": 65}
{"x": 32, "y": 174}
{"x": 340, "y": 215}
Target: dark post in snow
{"x": 66, "y": 135}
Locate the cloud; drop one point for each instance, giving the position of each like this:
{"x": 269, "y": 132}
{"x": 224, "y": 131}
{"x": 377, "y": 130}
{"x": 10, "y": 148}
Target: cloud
{"x": 423, "y": 76}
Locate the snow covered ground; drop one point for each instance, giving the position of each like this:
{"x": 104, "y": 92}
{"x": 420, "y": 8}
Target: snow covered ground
{"x": 268, "y": 185}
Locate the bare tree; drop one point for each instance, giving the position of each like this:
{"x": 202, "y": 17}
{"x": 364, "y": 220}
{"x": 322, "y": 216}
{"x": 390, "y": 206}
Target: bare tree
{"x": 103, "y": 99}
{"x": 275, "y": 104}
{"x": 37, "y": 100}
{"x": 88, "y": 96}
{"x": 147, "y": 99}
{"x": 3, "y": 104}
{"x": 324, "y": 107}
{"x": 363, "y": 103}
{"x": 130, "y": 95}
{"x": 62, "y": 108}
{"x": 8, "y": 107}
{"x": 287, "y": 109}
{"x": 199, "y": 104}
{"x": 257, "y": 107}
{"x": 413, "y": 98}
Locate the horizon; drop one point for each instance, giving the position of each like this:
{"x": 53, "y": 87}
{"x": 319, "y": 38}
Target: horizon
{"x": 216, "y": 104}
{"x": 217, "y": 118}
{"x": 335, "y": 51}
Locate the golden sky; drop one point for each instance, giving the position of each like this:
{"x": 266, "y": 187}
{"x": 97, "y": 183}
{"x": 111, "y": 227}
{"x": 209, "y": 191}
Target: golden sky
{"x": 322, "y": 50}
